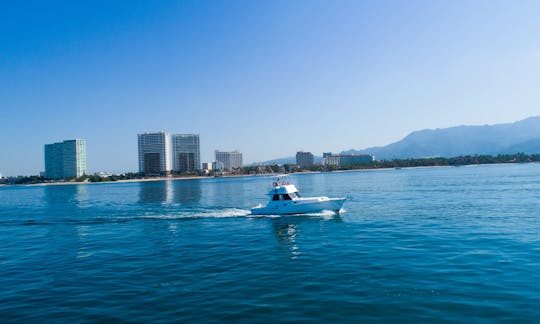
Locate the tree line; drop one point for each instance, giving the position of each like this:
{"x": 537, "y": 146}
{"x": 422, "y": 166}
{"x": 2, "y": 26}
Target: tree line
{"x": 289, "y": 168}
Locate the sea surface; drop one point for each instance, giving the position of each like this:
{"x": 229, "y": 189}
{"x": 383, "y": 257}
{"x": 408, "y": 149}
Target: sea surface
{"x": 458, "y": 244}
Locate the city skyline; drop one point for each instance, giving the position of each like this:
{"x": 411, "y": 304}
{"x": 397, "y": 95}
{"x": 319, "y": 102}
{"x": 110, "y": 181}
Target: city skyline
{"x": 338, "y": 75}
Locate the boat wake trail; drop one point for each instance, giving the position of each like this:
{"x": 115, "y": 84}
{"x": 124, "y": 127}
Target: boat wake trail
{"x": 182, "y": 214}
{"x": 200, "y": 213}
{"x": 326, "y": 214}
{"x": 229, "y": 213}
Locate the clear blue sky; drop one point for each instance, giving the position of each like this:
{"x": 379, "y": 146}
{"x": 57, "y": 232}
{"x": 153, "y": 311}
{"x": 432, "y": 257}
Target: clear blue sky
{"x": 265, "y": 77}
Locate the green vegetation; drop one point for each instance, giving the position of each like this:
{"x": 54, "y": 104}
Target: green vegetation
{"x": 458, "y": 161}
{"x": 409, "y": 163}
{"x": 22, "y": 180}
{"x": 275, "y": 168}
{"x": 263, "y": 169}
{"x": 114, "y": 177}
{"x": 436, "y": 161}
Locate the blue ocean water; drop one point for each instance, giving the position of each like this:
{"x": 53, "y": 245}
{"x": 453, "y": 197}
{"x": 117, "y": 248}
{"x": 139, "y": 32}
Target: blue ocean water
{"x": 454, "y": 244}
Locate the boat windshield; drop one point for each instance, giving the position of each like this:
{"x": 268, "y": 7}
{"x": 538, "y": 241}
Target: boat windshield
{"x": 283, "y": 197}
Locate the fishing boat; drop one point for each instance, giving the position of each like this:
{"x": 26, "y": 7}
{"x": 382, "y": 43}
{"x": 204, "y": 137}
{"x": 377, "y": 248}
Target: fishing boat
{"x": 285, "y": 200}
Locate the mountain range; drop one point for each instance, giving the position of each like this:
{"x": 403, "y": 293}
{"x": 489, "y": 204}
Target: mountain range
{"x": 519, "y": 137}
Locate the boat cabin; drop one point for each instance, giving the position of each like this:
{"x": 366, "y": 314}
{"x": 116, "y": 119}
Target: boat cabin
{"x": 283, "y": 191}
{"x": 287, "y": 196}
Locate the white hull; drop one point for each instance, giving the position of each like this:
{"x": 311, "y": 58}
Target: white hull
{"x": 299, "y": 206}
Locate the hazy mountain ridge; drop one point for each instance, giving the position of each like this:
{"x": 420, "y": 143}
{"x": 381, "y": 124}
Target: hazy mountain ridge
{"x": 286, "y": 160}
{"x": 521, "y": 136}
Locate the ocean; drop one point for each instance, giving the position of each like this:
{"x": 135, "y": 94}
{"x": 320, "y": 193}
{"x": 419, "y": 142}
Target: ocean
{"x": 458, "y": 244}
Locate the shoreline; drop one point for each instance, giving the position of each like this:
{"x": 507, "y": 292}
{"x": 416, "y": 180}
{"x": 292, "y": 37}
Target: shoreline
{"x": 106, "y": 182}
{"x": 165, "y": 178}
{"x": 169, "y": 178}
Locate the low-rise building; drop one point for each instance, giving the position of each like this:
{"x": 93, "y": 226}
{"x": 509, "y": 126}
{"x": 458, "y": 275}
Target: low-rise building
{"x": 218, "y": 166}
{"x": 207, "y": 166}
{"x": 343, "y": 160}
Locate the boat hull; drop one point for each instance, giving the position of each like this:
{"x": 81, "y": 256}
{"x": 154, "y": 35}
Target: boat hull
{"x": 300, "y": 206}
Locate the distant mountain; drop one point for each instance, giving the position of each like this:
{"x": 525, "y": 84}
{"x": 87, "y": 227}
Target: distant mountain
{"x": 522, "y": 136}
{"x": 528, "y": 147}
{"x": 281, "y": 161}
{"x": 287, "y": 160}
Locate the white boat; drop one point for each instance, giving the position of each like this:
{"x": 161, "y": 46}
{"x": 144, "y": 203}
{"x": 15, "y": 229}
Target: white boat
{"x": 285, "y": 200}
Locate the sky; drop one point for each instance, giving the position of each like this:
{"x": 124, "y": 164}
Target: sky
{"x": 268, "y": 78}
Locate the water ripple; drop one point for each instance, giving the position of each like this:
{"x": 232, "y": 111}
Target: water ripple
{"x": 441, "y": 244}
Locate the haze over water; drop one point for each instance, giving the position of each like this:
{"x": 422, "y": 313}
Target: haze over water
{"x": 458, "y": 244}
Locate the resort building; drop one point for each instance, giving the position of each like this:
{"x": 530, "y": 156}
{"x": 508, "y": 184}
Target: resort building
{"x": 65, "y": 159}
{"x": 207, "y": 166}
{"x": 154, "y": 156}
{"x": 304, "y": 159}
{"x": 342, "y": 160}
{"x": 186, "y": 152}
{"x": 230, "y": 160}
{"x": 331, "y": 160}
{"x": 217, "y": 166}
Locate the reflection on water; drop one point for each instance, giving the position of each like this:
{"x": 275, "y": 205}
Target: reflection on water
{"x": 155, "y": 192}
{"x": 286, "y": 231}
{"x": 187, "y": 191}
{"x": 288, "y": 228}
{"x": 170, "y": 191}
{"x": 82, "y": 234}
{"x": 66, "y": 194}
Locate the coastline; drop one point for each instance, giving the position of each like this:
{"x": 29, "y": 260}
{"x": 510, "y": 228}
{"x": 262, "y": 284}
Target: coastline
{"x": 108, "y": 182}
{"x": 165, "y": 178}
{"x": 170, "y": 178}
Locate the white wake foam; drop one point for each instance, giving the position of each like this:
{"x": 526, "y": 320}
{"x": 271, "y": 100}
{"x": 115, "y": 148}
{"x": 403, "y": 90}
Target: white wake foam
{"x": 198, "y": 213}
{"x": 228, "y": 213}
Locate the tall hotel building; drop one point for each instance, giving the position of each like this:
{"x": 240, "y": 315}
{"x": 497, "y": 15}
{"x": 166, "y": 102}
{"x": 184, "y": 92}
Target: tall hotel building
{"x": 186, "y": 152}
{"x": 65, "y": 159}
{"x": 154, "y": 157}
{"x": 230, "y": 160}
{"x": 304, "y": 159}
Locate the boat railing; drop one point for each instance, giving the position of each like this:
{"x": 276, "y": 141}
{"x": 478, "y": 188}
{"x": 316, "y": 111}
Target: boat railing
{"x": 276, "y": 183}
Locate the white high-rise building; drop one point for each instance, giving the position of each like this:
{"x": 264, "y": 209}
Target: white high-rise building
{"x": 230, "y": 159}
{"x": 154, "y": 156}
{"x": 186, "y": 152}
{"x": 65, "y": 159}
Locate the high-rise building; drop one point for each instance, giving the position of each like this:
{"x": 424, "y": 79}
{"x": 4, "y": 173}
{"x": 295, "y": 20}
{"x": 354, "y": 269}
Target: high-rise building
{"x": 186, "y": 152}
{"x": 65, "y": 159}
{"x": 154, "y": 157}
{"x": 304, "y": 159}
{"x": 230, "y": 159}
{"x": 54, "y": 161}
